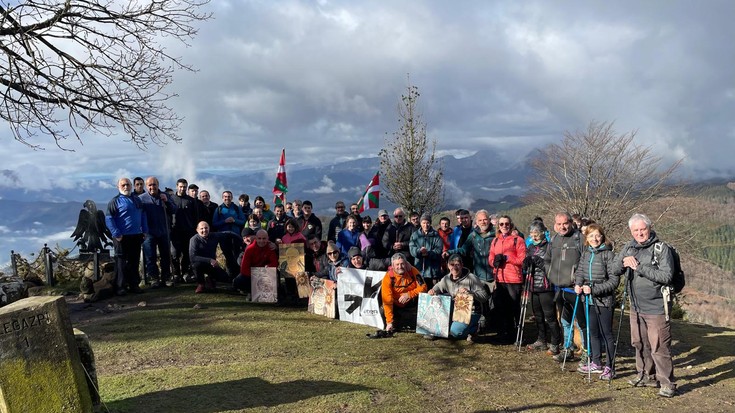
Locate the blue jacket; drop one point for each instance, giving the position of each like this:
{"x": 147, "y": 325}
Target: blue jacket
{"x": 126, "y": 216}
{"x": 222, "y": 213}
{"x": 454, "y": 238}
{"x": 156, "y": 213}
{"x": 347, "y": 239}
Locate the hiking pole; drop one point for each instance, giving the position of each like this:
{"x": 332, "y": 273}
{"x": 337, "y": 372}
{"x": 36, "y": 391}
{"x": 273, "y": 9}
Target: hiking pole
{"x": 568, "y": 341}
{"x": 587, "y": 327}
{"x": 620, "y": 324}
{"x": 522, "y": 316}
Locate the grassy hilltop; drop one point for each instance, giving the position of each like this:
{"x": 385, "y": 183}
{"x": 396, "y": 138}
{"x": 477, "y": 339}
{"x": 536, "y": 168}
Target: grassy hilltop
{"x": 182, "y": 352}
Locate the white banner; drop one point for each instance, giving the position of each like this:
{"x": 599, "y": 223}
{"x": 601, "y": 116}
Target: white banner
{"x": 358, "y": 298}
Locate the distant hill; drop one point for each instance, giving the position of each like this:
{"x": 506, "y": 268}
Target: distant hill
{"x": 482, "y": 181}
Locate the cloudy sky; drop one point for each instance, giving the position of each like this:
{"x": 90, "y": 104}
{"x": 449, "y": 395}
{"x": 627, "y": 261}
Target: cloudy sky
{"x": 323, "y": 78}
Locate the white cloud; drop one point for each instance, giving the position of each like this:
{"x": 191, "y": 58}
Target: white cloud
{"x": 327, "y": 188}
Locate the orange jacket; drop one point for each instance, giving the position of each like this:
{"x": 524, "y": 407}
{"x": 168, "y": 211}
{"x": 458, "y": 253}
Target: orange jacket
{"x": 513, "y": 247}
{"x": 395, "y": 285}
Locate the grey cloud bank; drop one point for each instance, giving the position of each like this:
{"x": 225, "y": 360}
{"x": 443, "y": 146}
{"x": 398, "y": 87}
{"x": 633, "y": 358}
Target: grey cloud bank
{"x": 322, "y": 79}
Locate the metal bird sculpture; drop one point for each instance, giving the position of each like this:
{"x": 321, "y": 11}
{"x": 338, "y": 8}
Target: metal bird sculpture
{"x": 91, "y": 233}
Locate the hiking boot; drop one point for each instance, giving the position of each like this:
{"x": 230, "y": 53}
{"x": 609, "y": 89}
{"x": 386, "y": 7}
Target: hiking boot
{"x": 642, "y": 380}
{"x": 559, "y": 357}
{"x": 583, "y": 358}
{"x": 537, "y": 345}
{"x": 553, "y": 350}
{"x": 607, "y": 374}
{"x": 200, "y": 289}
{"x": 667, "y": 391}
{"x": 470, "y": 339}
{"x": 429, "y": 337}
{"x": 135, "y": 289}
{"x": 591, "y": 368}
{"x": 156, "y": 285}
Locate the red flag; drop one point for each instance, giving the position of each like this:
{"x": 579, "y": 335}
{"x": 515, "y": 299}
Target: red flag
{"x": 371, "y": 198}
{"x": 281, "y": 186}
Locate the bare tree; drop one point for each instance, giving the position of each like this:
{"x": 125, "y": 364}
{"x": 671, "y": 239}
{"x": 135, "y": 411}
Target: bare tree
{"x": 602, "y": 175}
{"x": 411, "y": 172}
{"x": 71, "y": 66}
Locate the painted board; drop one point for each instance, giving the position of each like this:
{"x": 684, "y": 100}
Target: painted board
{"x": 322, "y": 300}
{"x": 462, "y": 310}
{"x": 291, "y": 264}
{"x": 433, "y": 315}
{"x": 264, "y": 283}
{"x": 358, "y": 296}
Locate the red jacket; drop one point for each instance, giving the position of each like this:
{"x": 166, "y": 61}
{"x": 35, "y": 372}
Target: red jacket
{"x": 256, "y": 256}
{"x": 513, "y": 247}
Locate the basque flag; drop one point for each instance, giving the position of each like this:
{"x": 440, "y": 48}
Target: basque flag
{"x": 371, "y": 198}
{"x": 281, "y": 186}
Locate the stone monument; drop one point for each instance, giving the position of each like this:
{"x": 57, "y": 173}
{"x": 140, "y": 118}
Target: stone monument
{"x": 40, "y": 369}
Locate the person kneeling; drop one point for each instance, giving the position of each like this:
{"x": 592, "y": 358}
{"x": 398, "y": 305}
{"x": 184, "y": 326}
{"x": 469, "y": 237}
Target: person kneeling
{"x": 461, "y": 281}
{"x": 400, "y": 289}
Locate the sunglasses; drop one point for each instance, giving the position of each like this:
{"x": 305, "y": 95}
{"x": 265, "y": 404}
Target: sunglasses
{"x": 333, "y": 253}
{"x": 503, "y": 224}
{"x": 398, "y": 216}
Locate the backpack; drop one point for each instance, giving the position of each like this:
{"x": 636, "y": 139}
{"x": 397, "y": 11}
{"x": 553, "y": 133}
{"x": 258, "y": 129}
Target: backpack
{"x": 678, "y": 281}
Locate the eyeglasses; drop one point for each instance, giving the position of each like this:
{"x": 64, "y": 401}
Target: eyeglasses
{"x": 398, "y": 216}
{"x": 333, "y": 253}
{"x": 503, "y": 224}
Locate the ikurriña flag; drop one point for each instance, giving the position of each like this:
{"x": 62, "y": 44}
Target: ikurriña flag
{"x": 281, "y": 186}
{"x": 371, "y": 198}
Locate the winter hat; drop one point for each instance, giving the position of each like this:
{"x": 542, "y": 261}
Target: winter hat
{"x": 353, "y": 251}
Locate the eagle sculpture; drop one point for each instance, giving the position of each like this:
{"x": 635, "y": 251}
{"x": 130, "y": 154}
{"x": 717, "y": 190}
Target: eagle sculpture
{"x": 91, "y": 233}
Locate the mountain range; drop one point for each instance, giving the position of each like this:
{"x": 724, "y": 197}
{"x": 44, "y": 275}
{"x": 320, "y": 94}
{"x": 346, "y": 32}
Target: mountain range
{"x": 32, "y": 217}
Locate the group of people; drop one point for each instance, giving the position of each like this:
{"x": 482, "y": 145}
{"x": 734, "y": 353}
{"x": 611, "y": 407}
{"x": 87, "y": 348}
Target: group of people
{"x": 570, "y": 277}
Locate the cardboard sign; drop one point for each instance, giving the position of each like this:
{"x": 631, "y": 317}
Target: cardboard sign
{"x": 433, "y": 315}
{"x": 264, "y": 283}
{"x": 359, "y": 297}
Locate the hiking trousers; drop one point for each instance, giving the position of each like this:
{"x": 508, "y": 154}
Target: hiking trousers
{"x": 650, "y": 335}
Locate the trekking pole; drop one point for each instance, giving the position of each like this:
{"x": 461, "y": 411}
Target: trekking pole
{"x": 587, "y": 327}
{"x": 620, "y": 324}
{"x": 568, "y": 341}
{"x": 522, "y": 316}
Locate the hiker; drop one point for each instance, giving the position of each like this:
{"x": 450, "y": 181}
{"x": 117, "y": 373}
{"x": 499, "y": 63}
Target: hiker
{"x": 542, "y": 292}
{"x": 460, "y": 280}
{"x": 400, "y": 290}
{"x": 650, "y": 330}
{"x": 561, "y": 261}
{"x": 595, "y": 280}
{"x": 507, "y": 252}
{"x": 203, "y": 255}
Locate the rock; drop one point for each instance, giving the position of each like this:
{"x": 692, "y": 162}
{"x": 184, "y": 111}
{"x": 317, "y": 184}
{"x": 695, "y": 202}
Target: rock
{"x": 86, "y": 356}
{"x": 41, "y": 369}
{"x": 12, "y": 289}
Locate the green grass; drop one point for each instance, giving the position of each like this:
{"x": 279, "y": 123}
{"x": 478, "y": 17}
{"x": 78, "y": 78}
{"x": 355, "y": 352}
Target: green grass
{"x": 233, "y": 356}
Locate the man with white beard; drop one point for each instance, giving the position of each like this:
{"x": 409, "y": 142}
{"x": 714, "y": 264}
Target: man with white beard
{"x": 127, "y": 222}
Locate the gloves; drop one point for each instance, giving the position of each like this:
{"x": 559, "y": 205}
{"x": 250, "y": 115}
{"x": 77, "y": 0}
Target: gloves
{"x": 527, "y": 263}
{"x": 499, "y": 260}
{"x": 538, "y": 261}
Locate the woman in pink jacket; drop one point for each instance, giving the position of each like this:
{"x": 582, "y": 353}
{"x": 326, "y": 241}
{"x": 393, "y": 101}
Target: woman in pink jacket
{"x": 507, "y": 252}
